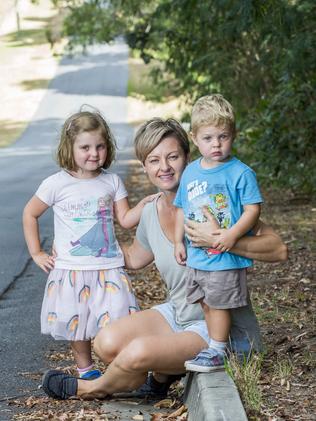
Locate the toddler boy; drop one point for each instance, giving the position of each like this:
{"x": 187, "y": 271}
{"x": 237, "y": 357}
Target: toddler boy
{"x": 228, "y": 188}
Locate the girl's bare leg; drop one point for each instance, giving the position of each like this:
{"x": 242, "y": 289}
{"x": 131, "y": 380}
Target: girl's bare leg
{"x": 145, "y": 343}
{"x": 82, "y": 353}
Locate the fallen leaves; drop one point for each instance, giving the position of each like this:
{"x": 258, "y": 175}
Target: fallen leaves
{"x": 179, "y": 414}
{"x": 283, "y": 296}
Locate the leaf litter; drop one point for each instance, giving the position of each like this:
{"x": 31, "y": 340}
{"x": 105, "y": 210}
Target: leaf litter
{"x": 283, "y": 296}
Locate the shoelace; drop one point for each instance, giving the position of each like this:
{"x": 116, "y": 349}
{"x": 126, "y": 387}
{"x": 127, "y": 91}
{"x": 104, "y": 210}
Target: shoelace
{"x": 209, "y": 353}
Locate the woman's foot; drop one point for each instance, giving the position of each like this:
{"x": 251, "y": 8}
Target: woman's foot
{"x": 59, "y": 385}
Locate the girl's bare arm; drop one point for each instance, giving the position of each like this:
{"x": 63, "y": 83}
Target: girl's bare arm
{"x": 129, "y": 217}
{"x": 32, "y": 211}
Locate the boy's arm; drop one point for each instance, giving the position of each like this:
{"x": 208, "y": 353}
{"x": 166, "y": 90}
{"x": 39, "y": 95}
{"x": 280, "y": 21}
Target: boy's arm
{"x": 179, "y": 247}
{"x": 129, "y": 217}
{"x": 227, "y": 238}
{"x": 32, "y": 211}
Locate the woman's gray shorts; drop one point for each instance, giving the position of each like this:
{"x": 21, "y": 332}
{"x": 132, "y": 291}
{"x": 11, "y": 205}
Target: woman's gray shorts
{"x": 222, "y": 289}
{"x": 197, "y": 326}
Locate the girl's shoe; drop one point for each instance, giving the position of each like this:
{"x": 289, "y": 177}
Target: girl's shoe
{"x": 91, "y": 375}
{"x": 206, "y": 361}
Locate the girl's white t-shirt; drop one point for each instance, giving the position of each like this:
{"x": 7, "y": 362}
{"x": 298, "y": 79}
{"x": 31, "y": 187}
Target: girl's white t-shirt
{"x": 84, "y": 236}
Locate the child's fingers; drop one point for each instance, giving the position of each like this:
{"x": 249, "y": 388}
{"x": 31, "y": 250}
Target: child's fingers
{"x": 43, "y": 267}
{"x": 152, "y": 197}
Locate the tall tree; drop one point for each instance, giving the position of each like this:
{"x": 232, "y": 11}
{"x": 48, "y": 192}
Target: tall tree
{"x": 259, "y": 54}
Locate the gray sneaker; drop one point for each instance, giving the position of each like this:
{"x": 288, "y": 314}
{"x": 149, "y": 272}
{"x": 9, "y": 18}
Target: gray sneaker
{"x": 206, "y": 361}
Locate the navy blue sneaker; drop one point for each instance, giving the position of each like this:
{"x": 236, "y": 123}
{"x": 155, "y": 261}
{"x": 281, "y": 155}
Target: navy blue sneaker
{"x": 154, "y": 389}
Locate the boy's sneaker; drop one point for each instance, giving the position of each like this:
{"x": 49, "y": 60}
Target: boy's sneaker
{"x": 206, "y": 361}
{"x": 91, "y": 375}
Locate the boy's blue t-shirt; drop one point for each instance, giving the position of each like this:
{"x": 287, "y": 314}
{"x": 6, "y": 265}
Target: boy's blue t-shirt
{"x": 224, "y": 190}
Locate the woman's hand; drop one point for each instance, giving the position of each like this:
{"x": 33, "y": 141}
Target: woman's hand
{"x": 201, "y": 233}
{"x": 44, "y": 261}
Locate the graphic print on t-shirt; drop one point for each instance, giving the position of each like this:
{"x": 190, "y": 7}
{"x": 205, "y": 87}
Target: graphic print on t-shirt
{"x": 99, "y": 240}
{"x": 215, "y": 198}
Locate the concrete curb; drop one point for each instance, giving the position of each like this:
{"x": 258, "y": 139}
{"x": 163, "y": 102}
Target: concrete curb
{"x": 212, "y": 397}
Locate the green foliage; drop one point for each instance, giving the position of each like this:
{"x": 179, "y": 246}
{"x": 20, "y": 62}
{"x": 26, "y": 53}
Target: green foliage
{"x": 260, "y": 55}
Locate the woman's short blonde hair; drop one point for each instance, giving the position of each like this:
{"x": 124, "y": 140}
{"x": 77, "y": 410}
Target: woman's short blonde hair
{"x": 151, "y": 133}
{"x": 83, "y": 121}
{"x": 213, "y": 110}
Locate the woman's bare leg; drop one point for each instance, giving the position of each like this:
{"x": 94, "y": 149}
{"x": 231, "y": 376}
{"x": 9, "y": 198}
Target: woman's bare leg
{"x": 150, "y": 345}
{"x": 110, "y": 340}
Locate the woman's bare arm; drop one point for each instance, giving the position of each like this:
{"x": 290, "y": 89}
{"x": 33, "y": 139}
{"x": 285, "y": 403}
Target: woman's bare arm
{"x": 135, "y": 256}
{"x": 265, "y": 245}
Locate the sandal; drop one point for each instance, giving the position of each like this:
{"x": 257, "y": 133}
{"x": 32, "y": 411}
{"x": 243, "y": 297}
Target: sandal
{"x": 59, "y": 385}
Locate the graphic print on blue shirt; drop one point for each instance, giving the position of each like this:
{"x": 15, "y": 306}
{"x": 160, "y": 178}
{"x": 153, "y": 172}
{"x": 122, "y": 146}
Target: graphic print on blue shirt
{"x": 215, "y": 198}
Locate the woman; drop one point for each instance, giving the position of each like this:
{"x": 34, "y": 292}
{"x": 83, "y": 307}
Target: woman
{"x": 160, "y": 339}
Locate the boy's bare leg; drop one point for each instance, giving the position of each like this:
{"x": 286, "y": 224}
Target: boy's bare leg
{"x": 218, "y": 323}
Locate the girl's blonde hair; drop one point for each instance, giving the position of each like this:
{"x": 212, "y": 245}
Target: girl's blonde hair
{"x": 213, "y": 110}
{"x": 83, "y": 121}
{"x": 151, "y": 133}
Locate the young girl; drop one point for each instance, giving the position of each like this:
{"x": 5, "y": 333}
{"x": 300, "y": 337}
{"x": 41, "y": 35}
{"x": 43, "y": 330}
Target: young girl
{"x": 87, "y": 286}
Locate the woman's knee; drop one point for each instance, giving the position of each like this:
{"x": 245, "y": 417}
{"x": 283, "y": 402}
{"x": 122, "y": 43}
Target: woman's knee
{"x": 107, "y": 344}
{"x": 136, "y": 356}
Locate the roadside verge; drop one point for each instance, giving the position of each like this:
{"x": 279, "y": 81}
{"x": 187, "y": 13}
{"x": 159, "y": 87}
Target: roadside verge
{"x": 213, "y": 397}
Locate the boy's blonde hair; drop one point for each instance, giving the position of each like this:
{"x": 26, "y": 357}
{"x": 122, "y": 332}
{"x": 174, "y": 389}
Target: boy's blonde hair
{"x": 151, "y": 133}
{"x": 83, "y": 121}
{"x": 213, "y": 110}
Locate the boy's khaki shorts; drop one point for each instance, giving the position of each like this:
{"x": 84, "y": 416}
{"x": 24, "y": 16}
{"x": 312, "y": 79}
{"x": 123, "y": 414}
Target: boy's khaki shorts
{"x": 223, "y": 289}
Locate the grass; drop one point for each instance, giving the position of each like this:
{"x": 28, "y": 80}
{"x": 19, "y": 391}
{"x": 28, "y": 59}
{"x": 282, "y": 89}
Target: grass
{"x": 10, "y": 130}
{"x": 246, "y": 375}
{"x": 26, "y": 37}
{"x": 283, "y": 369}
{"x": 29, "y": 85}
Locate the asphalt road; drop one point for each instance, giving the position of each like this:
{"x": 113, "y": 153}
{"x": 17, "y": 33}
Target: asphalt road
{"x": 100, "y": 80}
